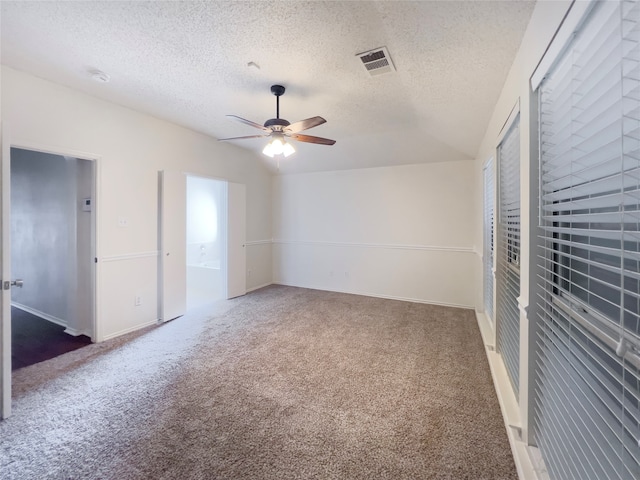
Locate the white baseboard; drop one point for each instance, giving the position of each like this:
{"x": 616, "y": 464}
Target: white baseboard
{"x": 528, "y": 462}
{"x": 38, "y": 313}
{"x": 128, "y": 330}
{"x": 376, "y": 295}
{"x": 259, "y": 287}
{"x": 75, "y": 333}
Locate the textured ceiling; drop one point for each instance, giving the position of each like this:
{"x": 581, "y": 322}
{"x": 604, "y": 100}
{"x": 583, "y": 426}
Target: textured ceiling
{"x": 188, "y": 62}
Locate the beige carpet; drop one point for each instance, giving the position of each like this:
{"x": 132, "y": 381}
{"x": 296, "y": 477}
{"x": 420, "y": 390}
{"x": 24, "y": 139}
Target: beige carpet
{"x": 284, "y": 383}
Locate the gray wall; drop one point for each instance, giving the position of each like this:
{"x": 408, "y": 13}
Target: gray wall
{"x": 51, "y": 237}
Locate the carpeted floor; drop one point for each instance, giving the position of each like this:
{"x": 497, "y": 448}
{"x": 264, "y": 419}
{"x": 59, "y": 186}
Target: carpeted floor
{"x": 283, "y": 383}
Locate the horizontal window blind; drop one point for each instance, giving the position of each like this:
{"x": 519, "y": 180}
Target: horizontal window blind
{"x": 587, "y": 384}
{"x": 489, "y": 192}
{"x": 508, "y": 254}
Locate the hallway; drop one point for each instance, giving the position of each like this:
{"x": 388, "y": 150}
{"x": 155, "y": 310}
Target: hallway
{"x": 35, "y": 339}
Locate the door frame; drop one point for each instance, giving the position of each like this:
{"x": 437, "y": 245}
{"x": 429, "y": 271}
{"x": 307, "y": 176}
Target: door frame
{"x": 8, "y": 142}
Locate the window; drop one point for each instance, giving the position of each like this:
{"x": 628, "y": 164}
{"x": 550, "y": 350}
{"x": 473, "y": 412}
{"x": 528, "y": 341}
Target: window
{"x": 488, "y": 238}
{"x": 508, "y": 252}
{"x": 587, "y": 396}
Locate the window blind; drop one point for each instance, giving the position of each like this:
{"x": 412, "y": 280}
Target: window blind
{"x": 587, "y": 395}
{"x": 489, "y": 192}
{"x": 508, "y": 253}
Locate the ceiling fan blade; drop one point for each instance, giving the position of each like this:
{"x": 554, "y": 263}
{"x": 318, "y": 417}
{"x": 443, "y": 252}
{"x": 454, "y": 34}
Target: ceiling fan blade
{"x": 242, "y": 138}
{"x": 249, "y": 122}
{"x": 312, "y": 139}
{"x": 304, "y": 124}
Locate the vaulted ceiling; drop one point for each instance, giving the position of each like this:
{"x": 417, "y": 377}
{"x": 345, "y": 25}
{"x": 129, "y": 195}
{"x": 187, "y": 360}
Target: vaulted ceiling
{"x": 193, "y": 62}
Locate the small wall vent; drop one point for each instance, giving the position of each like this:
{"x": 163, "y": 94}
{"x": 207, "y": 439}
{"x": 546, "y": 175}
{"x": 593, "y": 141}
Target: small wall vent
{"x": 377, "y": 61}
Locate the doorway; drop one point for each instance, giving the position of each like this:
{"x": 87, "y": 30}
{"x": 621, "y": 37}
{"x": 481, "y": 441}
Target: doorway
{"x": 52, "y": 252}
{"x": 216, "y": 243}
{"x": 206, "y": 241}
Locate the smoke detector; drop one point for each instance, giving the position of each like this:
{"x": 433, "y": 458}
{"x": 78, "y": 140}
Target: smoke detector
{"x": 377, "y": 61}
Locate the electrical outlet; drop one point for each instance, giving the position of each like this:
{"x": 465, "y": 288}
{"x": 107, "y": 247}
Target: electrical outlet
{"x": 123, "y": 222}
{"x": 137, "y": 300}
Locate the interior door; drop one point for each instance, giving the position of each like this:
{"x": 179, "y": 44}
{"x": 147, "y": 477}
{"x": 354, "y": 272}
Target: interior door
{"x": 5, "y": 284}
{"x": 236, "y": 238}
{"x": 172, "y": 264}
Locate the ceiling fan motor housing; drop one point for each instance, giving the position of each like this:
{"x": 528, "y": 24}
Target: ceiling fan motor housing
{"x": 277, "y": 123}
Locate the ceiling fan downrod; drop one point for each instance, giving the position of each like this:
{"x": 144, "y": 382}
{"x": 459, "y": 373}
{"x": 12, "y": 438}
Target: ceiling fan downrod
{"x": 277, "y": 123}
{"x": 277, "y": 90}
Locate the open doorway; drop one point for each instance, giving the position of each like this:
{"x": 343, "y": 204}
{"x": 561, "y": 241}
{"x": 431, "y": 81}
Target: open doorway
{"x": 52, "y": 253}
{"x": 206, "y": 241}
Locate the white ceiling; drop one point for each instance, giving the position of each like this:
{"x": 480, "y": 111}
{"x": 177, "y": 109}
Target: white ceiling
{"x": 187, "y": 62}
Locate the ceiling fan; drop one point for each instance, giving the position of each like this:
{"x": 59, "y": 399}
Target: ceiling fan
{"x": 279, "y": 128}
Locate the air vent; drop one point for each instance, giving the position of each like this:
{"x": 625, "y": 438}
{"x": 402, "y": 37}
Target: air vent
{"x": 377, "y": 61}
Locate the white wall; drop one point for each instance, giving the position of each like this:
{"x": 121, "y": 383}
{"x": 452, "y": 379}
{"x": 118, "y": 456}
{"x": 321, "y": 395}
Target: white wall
{"x": 131, "y": 147}
{"x": 402, "y": 232}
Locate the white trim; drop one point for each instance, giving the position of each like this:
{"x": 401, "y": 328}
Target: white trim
{"x": 486, "y": 329}
{"x": 129, "y": 256}
{"x": 515, "y": 111}
{"x": 96, "y": 229}
{"x": 251, "y": 243}
{"x": 523, "y": 307}
{"x": 129, "y": 330}
{"x": 54, "y": 150}
{"x": 96, "y": 189}
{"x": 486, "y": 163}
{"x": 5, "y": 274}
{"x": 74, "y": 333}
{"x": 436, "y": 248}
{"x": 259, "y": 287}
{"x": 38, "y": 313}
{"x": 209, "y": 177}
{"x": 510, "y": 410}
{"x": 377, "y": 295}
{"x": 570, "y": 24}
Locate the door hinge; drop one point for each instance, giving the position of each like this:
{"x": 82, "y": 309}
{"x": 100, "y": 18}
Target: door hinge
{"x": 6, "y": 285}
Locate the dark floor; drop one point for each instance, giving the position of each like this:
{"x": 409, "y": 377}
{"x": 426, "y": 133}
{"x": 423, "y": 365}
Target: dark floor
{"x": 34, "y": 339}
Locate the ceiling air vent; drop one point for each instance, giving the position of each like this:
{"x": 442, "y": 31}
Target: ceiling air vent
{"x": 377, "y": 61}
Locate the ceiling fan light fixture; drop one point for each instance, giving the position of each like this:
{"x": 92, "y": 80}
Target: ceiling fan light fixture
{"x": 268, "y": 151}
{"x": 288, "y": 149}
{"x": 278, "y": 146}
